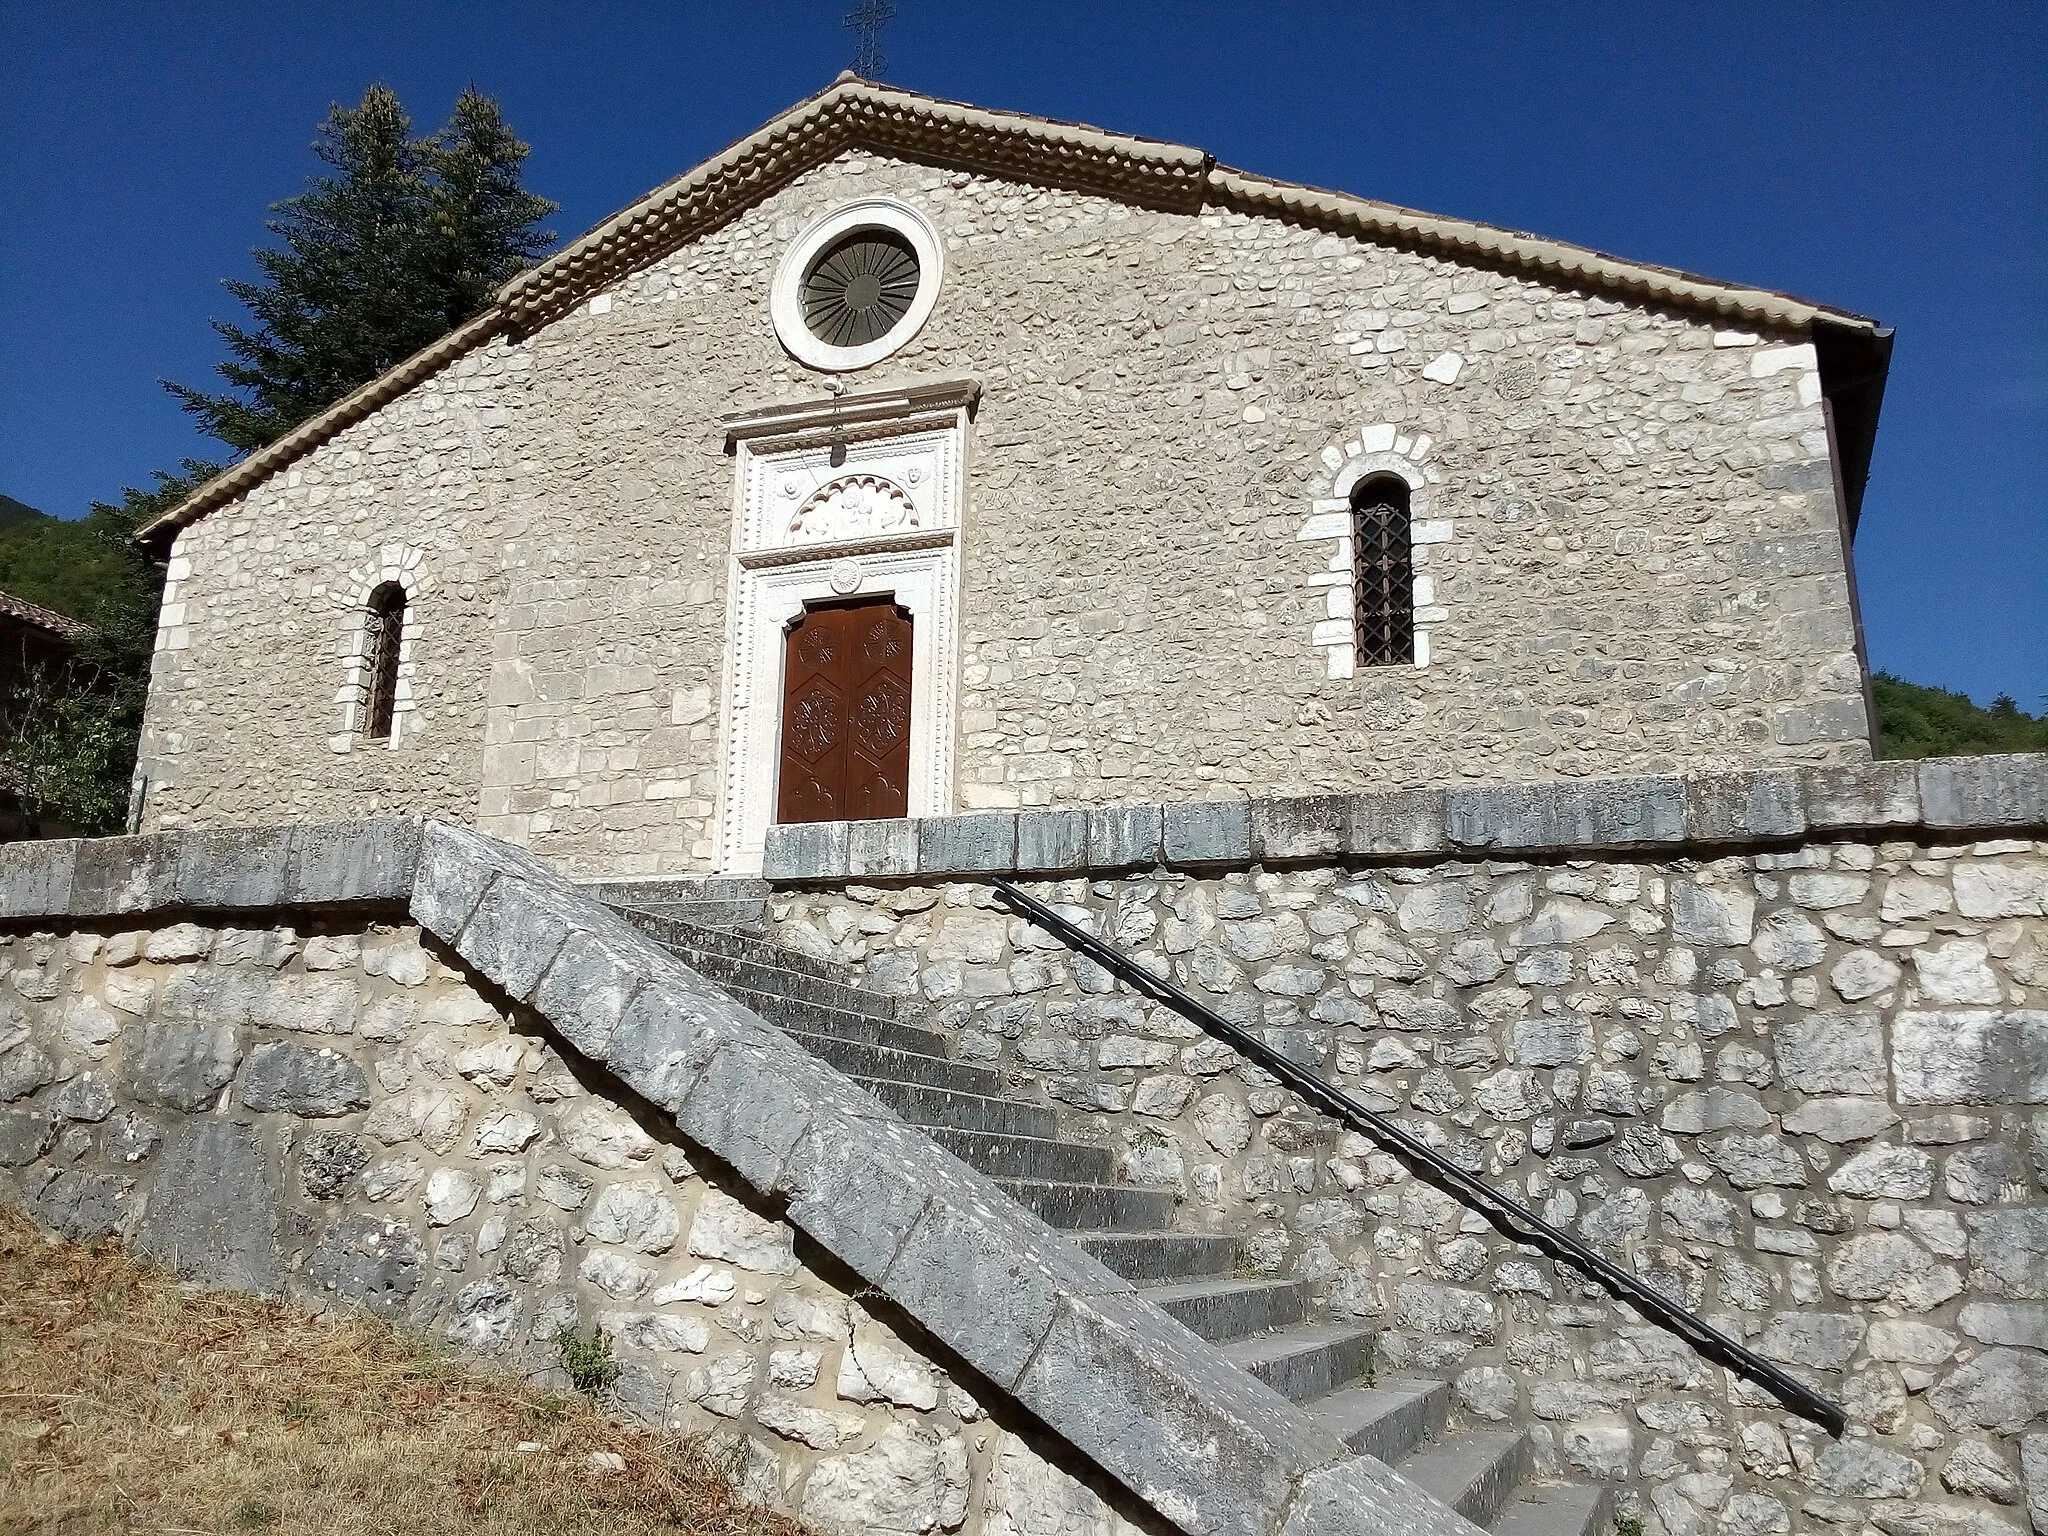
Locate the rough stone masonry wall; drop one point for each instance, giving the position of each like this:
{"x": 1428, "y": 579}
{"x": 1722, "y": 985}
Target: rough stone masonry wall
{"x": 333, "y": 1111}
{"x": 1639, "y": 567}
{"x": 1804, "y": 1090}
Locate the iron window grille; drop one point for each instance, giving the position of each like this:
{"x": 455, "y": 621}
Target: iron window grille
{"x": 384, "y": 630}
{"x": 1382, "y": 573}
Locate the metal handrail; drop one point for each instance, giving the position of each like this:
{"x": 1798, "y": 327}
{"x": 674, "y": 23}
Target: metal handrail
{"x": 1515, "y": 1218}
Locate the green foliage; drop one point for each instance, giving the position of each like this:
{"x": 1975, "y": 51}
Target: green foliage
{"x": 68, "y": 750}
{"x": 587, "y": 1359}
{"x": 1628, "y": 1525}
{"x": 1931, "y": 722}
{"x": 406, "y": 239}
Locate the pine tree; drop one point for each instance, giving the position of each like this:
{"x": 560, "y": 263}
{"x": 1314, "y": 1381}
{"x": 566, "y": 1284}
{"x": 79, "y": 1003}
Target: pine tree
{"x": 485, "y": 223}
{"x": 405, "y": 240}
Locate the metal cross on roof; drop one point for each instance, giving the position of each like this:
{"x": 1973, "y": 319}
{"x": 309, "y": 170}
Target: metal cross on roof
{"x": 868, "y": 18}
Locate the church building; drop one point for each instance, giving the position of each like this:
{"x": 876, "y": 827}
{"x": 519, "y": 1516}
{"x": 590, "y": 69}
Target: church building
{"x": 908, "y": 459}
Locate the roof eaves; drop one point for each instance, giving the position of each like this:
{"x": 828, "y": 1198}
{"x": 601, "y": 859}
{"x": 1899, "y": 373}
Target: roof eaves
{"x": 60, "y": 624}
{"x": 1554, "y": 259}
{"x": 351, "y": 408}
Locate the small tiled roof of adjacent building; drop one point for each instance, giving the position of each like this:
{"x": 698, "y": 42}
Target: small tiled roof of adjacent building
{"x": 853, "y": 113}
{"x": 65, "y": 628}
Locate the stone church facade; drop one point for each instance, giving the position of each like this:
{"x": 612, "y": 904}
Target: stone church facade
{"x": 1105, "y": 458}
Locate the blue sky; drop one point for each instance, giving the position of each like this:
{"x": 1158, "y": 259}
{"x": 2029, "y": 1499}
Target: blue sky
{"x": 1888, "y": 159}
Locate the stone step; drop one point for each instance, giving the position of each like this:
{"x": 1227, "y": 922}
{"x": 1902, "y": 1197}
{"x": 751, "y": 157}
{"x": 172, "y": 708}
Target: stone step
{"x": 1027, "y": 1157}
{"x": 862, "y": 1058}
{"x": 1104, "y": 1207}
{"x": 1558, "y": 1509}
{"x": 743, "y": 917}
{"x": 1306, "y": 1360}
{"x": 672, "y": 933}
{"x": 809, "y": 1019}
{"x": 924, "y": 1106}
{"x": 1475, "y": 1471}
{"x": 1222, "y": 1310}
{"x": 1160, "y": 1256}
{"x": 794, "y": 986}
{"x": 648, "y": 892}
{"x": 1388, "y": 1420}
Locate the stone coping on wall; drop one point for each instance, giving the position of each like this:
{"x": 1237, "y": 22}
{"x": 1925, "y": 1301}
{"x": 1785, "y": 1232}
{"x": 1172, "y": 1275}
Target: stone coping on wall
{"x": 311, "y": 864}
{"x": 1670, "y": 815}
{"x": 1213, "y": 1450}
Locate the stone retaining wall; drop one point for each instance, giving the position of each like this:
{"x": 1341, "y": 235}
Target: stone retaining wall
{"x": 1804, "y": 1089}
{"x": 360, "y": 1065}
{"x": 335, "y": 1111}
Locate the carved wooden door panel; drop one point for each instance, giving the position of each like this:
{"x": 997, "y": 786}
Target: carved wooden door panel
{"x": 846, "y": 714}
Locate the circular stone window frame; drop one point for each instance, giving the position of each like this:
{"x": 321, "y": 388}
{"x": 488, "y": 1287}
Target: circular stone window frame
{"x": 785, "y": 302}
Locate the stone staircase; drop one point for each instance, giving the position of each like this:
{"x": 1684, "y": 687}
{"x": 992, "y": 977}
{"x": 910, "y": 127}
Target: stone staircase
{"x": 1266, "y": 1326}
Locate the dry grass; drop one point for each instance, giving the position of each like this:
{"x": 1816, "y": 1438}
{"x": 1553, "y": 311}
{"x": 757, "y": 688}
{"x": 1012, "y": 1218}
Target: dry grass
{"x": 129, "y": 1404}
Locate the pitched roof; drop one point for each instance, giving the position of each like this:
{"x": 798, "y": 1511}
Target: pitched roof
{"x": 855, "y": 113}
{"x": 60, "y": 625}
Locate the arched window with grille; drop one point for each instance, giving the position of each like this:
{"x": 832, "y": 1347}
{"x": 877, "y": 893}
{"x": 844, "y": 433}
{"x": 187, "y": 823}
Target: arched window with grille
{"x": 383, "y": 634}
{"x": 1383, "y": 572}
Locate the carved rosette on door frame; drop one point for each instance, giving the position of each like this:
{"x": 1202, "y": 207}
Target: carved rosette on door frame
{"x": 846, "y": 520}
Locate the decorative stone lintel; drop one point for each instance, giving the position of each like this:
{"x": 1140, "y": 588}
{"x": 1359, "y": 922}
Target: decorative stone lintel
{"x": 1711, "y": 812}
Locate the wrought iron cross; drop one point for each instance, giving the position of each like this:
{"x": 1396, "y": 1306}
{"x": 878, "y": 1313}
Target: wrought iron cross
{"x": 868, "y": 18}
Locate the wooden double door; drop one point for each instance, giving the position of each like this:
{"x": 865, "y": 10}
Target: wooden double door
{"x": 846, "y": 714}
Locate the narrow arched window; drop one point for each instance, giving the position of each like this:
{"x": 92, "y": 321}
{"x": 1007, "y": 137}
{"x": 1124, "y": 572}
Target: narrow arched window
{"x": 383, "y": 631}
{"x": 1383, "y": 572}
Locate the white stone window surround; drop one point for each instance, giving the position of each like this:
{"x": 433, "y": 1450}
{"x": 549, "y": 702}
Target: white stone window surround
{"x": 857, "y": 496}
{"x": 400, "y": 564}
{"x": 1380, "y": 449}
{"x": 785, "y": 294}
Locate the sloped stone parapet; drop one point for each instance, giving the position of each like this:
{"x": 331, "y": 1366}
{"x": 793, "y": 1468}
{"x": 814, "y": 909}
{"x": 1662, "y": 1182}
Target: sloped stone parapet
{"x": 1672, "y": 816}
{"x": 1161, "y": 1410}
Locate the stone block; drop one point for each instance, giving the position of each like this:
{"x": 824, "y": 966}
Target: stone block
{"x": 183, "y": 1065}
{"x": 297, "y": 1081}
{"x": 858, "y": 1178}
{"x": 371, "y": 860}
{"x": 1300, "y": 827}
{"x": 805, "y": 850}
{"x": 454, "y": 867}
{"x": 1332, "y": 1502}
{"x": 1739, "y": 808}
{"x": 990, "y": 1278}
{"x": 670, "y": 1030}
{"x": 215, "y": 1208}
{"x": 233, "y": 866}
{"x": 984, "y": 843}
{"x": 1867, "y": 795}
{"x": 514, "y": 933}
{"x": 881, "y": 849}
{"x": 1603, "y": 813}
{"x": 1219, "y": 832}
{"x": 1798, "y": 725}
{"x": 1971, "y": 1056}
{"x": 1052, "y": 842}
{"x": 1124, "y": 836}
{"x": 35, "y": 877}
{"x": 593, "y": 977}
{"x": 754, "y": 1099}
{"x": 1820, "y": 1053}
{"x": 1160, "y": 1410}
{"x": 116, "y": 875}
{"x": 1402, "y": 822}
{"x": 2000, "y": 791}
